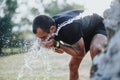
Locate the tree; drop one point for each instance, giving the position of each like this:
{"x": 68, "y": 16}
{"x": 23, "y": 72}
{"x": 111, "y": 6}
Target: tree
{"x": 54, "y": 8}
{"x": 6, "y": 22}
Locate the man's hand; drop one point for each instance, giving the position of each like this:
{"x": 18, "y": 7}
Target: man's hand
{"x": 50, "y": 43}
{"x": 59, "y": 50}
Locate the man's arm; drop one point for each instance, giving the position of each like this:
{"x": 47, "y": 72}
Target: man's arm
{"x": 76, "y": 50}
{"x": 59, "y": 50}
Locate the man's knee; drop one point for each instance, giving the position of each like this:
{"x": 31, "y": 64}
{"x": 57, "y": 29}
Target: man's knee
{"x": 97, "y": 44}
{"x": 95, "y": 49}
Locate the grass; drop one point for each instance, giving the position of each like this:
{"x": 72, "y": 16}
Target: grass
{"x": 10, "y": 67}
{"x": 8, "y": 51}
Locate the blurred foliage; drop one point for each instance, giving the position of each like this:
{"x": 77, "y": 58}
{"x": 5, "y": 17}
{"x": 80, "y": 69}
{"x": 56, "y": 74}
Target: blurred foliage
{"x": 54, "y": 7}
{"x": 6, "y": 22}
{"x": 34, "y": 11}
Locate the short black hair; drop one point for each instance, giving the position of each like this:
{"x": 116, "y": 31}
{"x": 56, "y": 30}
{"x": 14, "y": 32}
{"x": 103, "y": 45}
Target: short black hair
{"x": 44, "y": 22}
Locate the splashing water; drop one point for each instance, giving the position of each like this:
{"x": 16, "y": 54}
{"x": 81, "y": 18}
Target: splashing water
{"x": 36, "y": 53}
{"x": 107, "y": 66}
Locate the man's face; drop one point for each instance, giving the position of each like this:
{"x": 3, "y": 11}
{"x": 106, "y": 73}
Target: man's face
{"x": 41, "y": 34}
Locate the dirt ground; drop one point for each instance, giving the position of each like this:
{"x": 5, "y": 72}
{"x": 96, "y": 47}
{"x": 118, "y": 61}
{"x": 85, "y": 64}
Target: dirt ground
{"x": 50, "y": 67}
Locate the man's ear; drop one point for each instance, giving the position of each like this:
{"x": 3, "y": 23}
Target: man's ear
{"x": 52, "y": 29}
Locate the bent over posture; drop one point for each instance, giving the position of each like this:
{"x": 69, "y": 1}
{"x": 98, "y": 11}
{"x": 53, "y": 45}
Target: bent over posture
{"x": 78, "y": 36}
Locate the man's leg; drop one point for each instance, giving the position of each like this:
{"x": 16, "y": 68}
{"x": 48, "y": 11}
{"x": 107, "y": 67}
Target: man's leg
{"x": 97, "y": 44}
{"x": 74, "y": 66}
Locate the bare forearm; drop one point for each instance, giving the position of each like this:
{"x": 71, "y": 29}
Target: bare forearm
{"x": 71, "y": 51}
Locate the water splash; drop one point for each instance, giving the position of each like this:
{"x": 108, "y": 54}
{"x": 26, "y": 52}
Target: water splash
{"x": 32, "y": 57}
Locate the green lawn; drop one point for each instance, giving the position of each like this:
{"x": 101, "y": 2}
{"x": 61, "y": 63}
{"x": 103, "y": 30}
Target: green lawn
{"x": 38, "y": 67}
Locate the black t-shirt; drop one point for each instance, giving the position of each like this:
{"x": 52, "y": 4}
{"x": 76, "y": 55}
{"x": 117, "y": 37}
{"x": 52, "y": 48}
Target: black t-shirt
{"x": 84, "y": 27}
{"x": 70, "y": 33}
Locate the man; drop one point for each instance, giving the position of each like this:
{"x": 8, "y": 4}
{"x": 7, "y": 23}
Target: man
{"x": 78, "y": 35}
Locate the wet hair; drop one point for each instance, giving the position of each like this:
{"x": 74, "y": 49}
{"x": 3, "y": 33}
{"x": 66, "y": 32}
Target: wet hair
{"x": 44, "y": 22}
